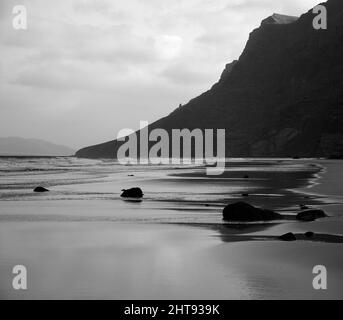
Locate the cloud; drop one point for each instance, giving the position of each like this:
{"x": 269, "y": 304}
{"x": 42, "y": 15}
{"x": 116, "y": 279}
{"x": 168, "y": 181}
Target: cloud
{"x": 184, "y": 75}
{"x": 84, "y": 69}
{"x": 168, "y": 46}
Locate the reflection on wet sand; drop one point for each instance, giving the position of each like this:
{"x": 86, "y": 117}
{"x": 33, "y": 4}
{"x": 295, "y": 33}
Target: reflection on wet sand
{"x": 247, "y": 232}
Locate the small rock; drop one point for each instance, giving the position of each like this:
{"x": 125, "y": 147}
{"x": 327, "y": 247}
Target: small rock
{"x": 288, "y": 237}
{"x": 303, "y": 207}
{"x": 311, "y": 215}
{"x": 309, "y": 234}
{"x": 132, "y": 193}
{"x": 245, "y": 195}
{"x": 40, "y": 189}
{"x": 246, "y": 177}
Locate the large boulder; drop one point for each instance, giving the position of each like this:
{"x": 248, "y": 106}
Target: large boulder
{"x": 40, "y": 189}
{"x": 245, "y": 212}
{"x": 132, "y": 193}
{"x": 311, "y": 215}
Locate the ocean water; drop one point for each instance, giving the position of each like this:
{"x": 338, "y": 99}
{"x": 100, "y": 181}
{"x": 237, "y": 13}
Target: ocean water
{"x": 185, "y": 191}
{"x": 24, "y": 173}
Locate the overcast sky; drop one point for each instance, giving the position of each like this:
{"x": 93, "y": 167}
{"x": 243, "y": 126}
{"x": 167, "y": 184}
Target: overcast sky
{"x": 85, "y": 69}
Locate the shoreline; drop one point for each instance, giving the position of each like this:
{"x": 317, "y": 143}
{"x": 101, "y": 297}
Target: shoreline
{"x": 290, "y": 224}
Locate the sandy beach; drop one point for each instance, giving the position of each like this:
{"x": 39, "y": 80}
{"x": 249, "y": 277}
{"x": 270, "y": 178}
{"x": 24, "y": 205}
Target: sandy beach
{"x": 82, "y": 241}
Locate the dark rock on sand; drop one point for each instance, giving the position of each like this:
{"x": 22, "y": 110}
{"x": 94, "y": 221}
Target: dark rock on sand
{"x": 327, "y": 238}
{"x": 245, "y": 212}
{"x": 309, "y": 234}
{"x": 245, "y": 195}
{"x": 288, "y": 237}
{"x": 303, "y": 207}
{"x": 246, "y": 177}
{"x": 40, "y": 189}
{"x": 311, "y": 215}
{"x": 132, "y": 193}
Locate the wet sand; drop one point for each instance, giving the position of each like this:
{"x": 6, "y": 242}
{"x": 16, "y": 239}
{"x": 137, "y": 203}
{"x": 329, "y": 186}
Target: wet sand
{"x": 163, "y": 249}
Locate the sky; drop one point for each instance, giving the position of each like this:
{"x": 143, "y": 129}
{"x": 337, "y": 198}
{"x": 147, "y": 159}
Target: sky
{"x": 85, "y": 69}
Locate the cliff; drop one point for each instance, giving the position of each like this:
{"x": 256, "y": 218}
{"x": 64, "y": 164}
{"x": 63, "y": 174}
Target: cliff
{"x": 283, "y": 97}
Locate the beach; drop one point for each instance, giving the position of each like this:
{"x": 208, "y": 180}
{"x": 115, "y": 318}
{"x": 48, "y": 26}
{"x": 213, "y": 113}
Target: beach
{"x": 81, "y": 240}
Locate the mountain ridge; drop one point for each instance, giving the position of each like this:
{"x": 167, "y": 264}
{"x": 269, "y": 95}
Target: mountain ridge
{"x": 282, "y": 97}
{"x": 17, "y": 146}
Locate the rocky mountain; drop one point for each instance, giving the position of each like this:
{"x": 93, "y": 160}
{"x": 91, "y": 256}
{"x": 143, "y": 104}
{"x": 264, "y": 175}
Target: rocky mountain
{"x": 282, "y": 97}
{"x": 15, "y": 146}
{"x": 279, "y": 19}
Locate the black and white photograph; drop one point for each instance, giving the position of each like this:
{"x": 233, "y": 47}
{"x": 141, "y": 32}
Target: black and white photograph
{"x": 171, "y": 150}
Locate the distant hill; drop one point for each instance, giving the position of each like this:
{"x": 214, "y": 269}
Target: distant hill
{"x": 15, "y": 146}
{"x": 282, "y": 97}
